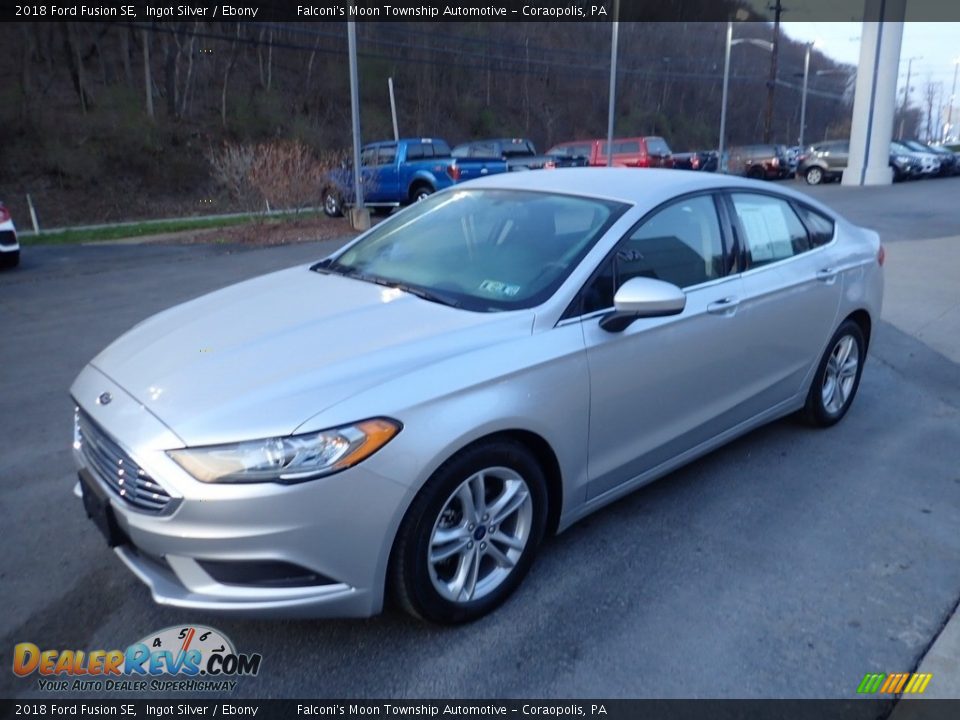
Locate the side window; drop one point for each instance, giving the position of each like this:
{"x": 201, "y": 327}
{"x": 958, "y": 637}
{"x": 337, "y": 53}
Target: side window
{"x": 387, "y": 155}
{"x": 821, "y": 227}
{"x": 772, "y": 231}
{"x": 415, "y": 151}
{"x": 368, "y": 157}
{"x": 681, "y": 244}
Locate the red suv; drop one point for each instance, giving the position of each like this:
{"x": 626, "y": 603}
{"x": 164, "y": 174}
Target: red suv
{"x": 649, "y": 151}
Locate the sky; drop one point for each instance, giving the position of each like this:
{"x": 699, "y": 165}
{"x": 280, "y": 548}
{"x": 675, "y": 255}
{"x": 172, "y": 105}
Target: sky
{"x": 935, "y": 45}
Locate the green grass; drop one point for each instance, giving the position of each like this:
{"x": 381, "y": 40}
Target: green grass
{"x": 135, "y": 230}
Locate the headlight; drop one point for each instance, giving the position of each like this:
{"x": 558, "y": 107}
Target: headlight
{"x": 287, "y": 459}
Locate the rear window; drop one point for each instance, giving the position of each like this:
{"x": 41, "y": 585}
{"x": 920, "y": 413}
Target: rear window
{"x": 440, "y": 148}
{"x": 570, "y": 150}
{"x": 657, "y": 146}
{"x": 821, "y": 227}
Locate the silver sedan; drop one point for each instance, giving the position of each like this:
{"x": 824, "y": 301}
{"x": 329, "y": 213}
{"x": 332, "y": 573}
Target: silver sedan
{"x": 410, "y": 416}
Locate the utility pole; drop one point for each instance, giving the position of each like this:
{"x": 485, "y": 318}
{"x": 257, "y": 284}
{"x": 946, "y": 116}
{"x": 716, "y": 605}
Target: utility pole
{"x": 906, "y": 96}
{"x": 953, "y": 95}
{"x": 772, "y": 82}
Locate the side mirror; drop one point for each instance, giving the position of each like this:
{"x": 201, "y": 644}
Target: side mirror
{"x": 642, "y": 297}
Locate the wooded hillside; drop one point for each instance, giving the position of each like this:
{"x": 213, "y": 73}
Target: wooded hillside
{"x": 114, "y": 121}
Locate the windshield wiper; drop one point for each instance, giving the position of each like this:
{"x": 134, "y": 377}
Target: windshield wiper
{"x": 420, "y": 292}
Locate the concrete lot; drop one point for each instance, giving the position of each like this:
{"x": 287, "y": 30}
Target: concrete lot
{"x": 787, "y": 564}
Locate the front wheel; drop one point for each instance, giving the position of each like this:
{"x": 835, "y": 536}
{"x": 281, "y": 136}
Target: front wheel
{"x": 471, "y": 534}
{"x": 837, "y": 378}
{"x": 814, "y": 176}
{"x": 332, "y": 203}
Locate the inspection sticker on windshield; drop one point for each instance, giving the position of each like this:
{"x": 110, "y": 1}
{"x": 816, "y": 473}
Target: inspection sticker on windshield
{"x": 499, "y": 288}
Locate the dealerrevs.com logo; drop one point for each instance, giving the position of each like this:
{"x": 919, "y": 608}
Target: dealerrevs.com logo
{"x": 176, "y": 658}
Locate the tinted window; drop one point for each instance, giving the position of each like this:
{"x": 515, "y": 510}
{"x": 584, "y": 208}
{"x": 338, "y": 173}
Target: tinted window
{"x": 772, "y": 231}
{"x": 571, "y": 151}
{"x": 484, "y": 150}
{"x": 657, "y": 146}
{"x": 439, "y": 147}
{"x": 387, "y": 155}
{"x": 681, "y": 244}
{"x": 821, "y": 227}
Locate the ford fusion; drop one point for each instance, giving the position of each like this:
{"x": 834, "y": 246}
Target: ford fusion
{"x": 409, "y": 417}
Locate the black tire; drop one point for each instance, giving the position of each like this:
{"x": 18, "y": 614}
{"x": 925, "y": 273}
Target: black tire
{"x": 10, "y": 259}
{"x": 755, "y": 173}
{"x": 410, "y": 570}
{"x": 419, "y": 192}
{"x": 818, "y": 411}
{"x": 332, "y": 203}
{"x": 814, "y": 175}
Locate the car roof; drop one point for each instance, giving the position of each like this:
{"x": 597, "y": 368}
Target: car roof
{"x": 647, "y": 188}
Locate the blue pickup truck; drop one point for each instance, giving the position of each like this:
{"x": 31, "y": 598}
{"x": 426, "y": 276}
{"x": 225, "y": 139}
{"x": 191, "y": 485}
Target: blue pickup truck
{"x": 399, "y": 172}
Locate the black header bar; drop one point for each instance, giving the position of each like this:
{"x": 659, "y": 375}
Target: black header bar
{"x": 913, "y": 709}
{"x": 456, "y": 10}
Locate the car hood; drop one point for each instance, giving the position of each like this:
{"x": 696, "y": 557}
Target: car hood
{"x": 260, "y": 358}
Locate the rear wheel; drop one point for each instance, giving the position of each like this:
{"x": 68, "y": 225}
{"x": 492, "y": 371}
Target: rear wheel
{"x": 755, "y": 173}
{"x": 838, "y": 376}
{"x": 813, "y": 176}
{"x": 471, "y": 534}
{"x": 420, "y": 192}
{"x": 332, "y": 203}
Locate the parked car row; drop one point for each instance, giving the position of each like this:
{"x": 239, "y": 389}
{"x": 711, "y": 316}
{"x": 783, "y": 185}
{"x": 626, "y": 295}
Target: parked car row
{"x": 826, "y": 161}
{"x": 399, "y": 172}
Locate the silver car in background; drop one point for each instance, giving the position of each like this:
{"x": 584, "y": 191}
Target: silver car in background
{"x": 412, "y": 415}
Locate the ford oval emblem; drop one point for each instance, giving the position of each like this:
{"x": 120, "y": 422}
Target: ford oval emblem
{"x": 104, "y": 399}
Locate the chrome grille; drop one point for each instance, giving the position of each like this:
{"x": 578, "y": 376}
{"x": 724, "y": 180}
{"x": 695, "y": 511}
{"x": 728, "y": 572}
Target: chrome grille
{"x": 116, "y": 468}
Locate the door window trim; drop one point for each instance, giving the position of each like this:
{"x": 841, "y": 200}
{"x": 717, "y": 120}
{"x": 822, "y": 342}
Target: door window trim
{"x": 573, "y": 311}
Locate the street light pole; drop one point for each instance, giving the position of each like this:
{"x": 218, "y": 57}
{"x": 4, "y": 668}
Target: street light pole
{"x": 766, "y": 45}
{"x": 803, "y": 97}
{"x": 723, "y": 101}
{"x": 613, "y": 81}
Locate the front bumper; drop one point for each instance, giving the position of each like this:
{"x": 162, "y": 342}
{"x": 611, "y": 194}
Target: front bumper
{"x": 339, "y": 527}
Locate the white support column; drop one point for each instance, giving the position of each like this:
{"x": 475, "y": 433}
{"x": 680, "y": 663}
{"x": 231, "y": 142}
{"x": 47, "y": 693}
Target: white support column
{"x": 874, "y": 104}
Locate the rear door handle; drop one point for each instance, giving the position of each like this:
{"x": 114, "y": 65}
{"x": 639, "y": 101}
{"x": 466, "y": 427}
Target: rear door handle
{"x": 724, "y": 306}
{"x": 827, "y": 275}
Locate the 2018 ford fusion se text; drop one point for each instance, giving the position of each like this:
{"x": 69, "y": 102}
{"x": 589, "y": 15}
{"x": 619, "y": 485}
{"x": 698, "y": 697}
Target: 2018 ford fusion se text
{"x": 409, "y": 417}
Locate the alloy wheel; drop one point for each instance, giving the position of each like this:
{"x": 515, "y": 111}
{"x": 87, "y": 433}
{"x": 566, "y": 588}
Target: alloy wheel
{"x": 480, "y": 534}
{"x": 840, "y": 374}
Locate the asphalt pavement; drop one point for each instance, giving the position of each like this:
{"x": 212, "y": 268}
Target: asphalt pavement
{"x": 787, "y": 564}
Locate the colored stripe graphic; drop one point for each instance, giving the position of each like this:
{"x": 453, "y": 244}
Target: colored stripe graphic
{"x": 894, "y": 684}
{"x": 871, "y": 682}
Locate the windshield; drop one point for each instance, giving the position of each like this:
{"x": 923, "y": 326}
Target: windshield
{"x": 482, "y": 250}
